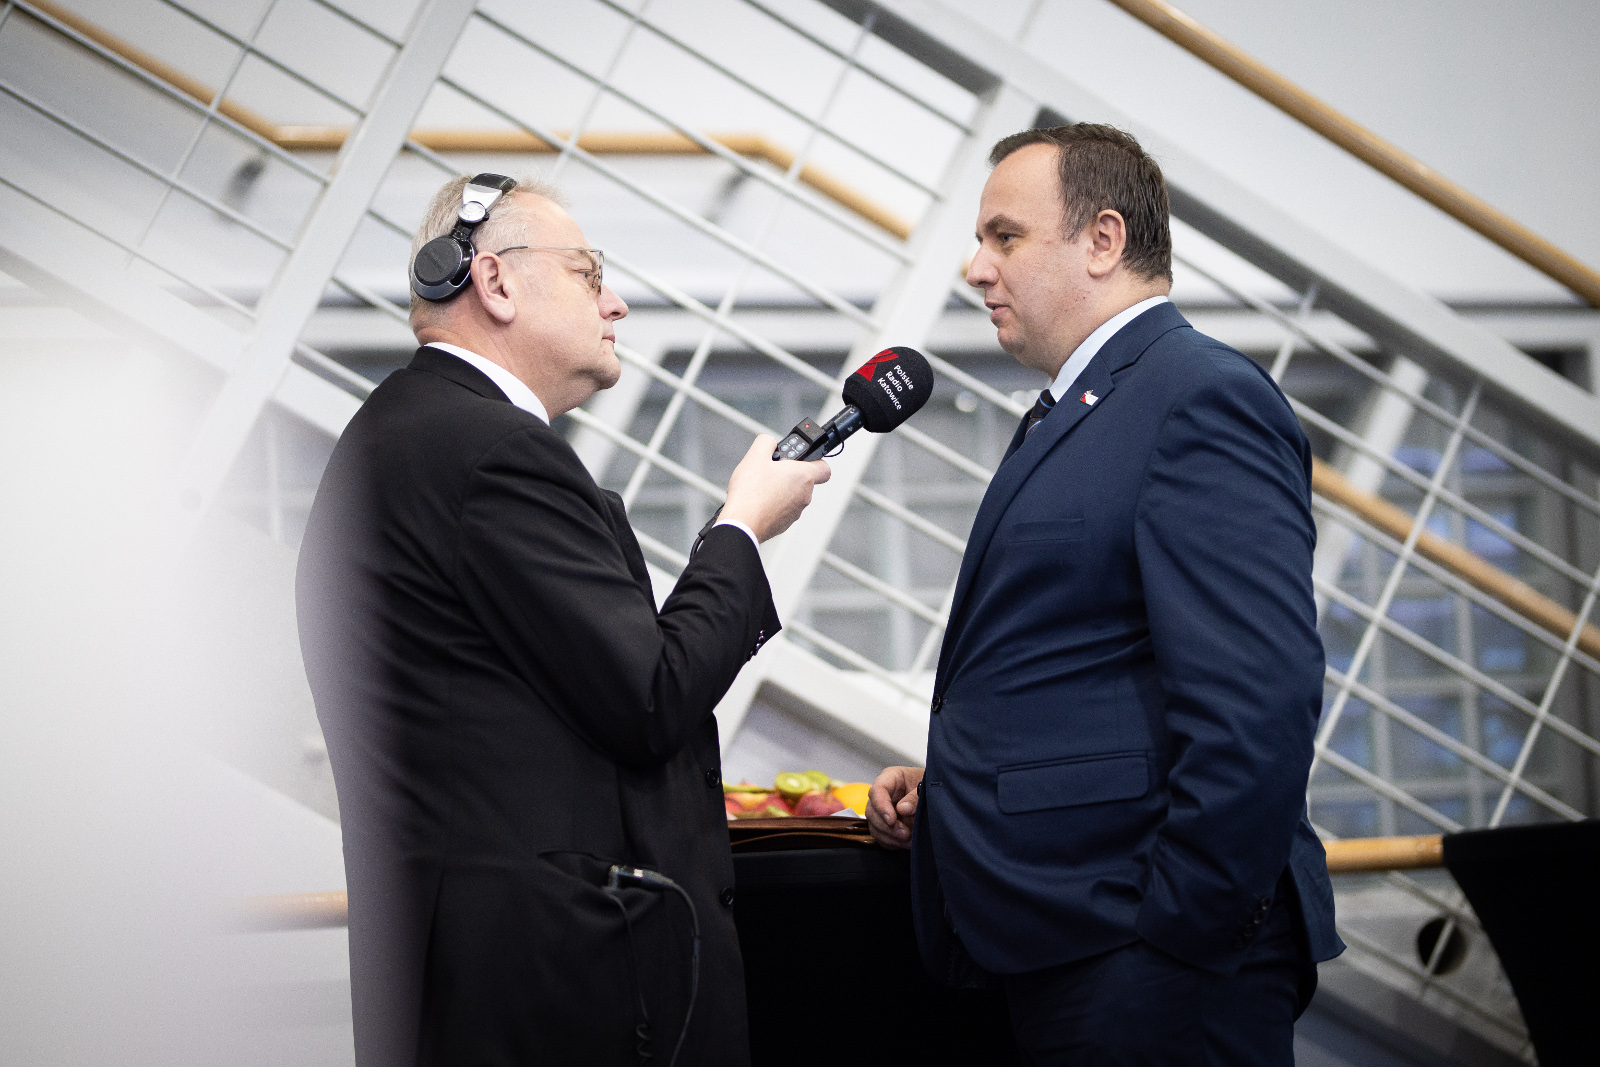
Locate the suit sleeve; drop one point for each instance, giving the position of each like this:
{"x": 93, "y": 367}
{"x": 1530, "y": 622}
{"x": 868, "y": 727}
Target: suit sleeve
{"x": 1224, "y": 538}
{"x": 539, "y": 565}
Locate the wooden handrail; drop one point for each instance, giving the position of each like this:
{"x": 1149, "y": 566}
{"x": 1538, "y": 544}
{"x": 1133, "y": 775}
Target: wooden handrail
{"x": 618, "y": 143}
{"x": 1160, "y": 16}
{"x": 1165, "y": 19}
{"x": 154, "y": 67}
{"x": 1480, "y": 574}
{"x": 1369, "y": 855}
{"x": 303, "y": 138}
{"x": 1381, "y": 155}
{"x": 1359, "y": 855}
{"x": 293, "y": 911}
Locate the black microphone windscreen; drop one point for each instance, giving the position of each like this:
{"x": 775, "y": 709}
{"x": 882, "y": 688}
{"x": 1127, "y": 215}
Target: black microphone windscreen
{"x": 889, "y": 388}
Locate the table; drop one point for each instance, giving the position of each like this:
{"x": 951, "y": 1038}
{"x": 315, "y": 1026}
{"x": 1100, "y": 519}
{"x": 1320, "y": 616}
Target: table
{"x": 832, "y": 972}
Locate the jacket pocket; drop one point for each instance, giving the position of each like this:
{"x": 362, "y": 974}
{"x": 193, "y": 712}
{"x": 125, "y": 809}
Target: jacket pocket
{"x": 1066, "y": 528}
{"x": 1071, "y": 782}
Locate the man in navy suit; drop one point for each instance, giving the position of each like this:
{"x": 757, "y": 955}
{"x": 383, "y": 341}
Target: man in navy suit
{"x": 1112, "y": 818}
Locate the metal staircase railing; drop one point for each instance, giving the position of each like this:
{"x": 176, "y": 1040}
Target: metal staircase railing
{"x": 1456, "y": 485}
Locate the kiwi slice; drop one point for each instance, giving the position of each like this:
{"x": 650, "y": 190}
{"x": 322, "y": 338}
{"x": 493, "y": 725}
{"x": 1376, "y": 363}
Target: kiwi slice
{"x": 793, "y": 784}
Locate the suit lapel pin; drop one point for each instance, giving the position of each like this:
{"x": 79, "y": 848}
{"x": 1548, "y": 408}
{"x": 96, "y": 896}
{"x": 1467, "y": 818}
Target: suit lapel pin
{"x": 1089, "y": 398}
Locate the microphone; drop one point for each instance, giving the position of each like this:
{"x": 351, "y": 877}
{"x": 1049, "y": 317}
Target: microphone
{"x": 879, "y": 395}
{"x": 882, "y": 393}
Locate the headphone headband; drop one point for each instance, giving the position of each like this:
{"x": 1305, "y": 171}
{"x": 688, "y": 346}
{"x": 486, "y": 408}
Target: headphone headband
{"x": 443, "y": 266}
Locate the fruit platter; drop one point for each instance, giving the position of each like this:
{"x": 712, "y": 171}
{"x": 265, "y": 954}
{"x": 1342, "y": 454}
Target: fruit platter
{"x": 800, "y": 809}
{"x": 795, "y": 794}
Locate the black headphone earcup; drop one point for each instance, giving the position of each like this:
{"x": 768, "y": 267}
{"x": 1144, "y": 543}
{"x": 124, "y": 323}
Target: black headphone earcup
{"x": 442, "y": 268}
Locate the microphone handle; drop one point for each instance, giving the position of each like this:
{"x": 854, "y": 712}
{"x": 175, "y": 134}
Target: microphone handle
{"x": 805, "y": 442}
{"x": 809, "y": 441}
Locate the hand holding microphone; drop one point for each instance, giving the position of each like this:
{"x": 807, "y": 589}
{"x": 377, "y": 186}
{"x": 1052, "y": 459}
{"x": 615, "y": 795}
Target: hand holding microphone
{"x": 769, "y": 496}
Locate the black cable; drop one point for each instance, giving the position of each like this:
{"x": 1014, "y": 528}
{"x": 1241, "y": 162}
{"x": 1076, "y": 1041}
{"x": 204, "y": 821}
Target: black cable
{"x": 694, "y": 972}
{"x": 641, "y": 1028}
{"x": 639, "y": 876}
{"x": 701, "y": 536}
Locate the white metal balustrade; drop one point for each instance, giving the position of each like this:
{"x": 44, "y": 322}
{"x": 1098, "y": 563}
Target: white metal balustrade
{"x": 1450, "y": 703}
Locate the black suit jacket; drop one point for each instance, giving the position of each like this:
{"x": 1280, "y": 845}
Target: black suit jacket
{"x": 507, "y": 714}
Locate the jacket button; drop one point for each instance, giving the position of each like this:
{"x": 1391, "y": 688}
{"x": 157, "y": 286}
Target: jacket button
{"x": 727, "y": 897}
{"x": 938, "y": 702}
{"x": 713, "y": 777}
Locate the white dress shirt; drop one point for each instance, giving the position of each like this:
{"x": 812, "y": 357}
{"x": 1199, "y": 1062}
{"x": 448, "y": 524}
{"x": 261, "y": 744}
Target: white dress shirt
{"x": 524, "y": 398}
{"x": 516, "y": 392}
{"x": 1096, "y": 341}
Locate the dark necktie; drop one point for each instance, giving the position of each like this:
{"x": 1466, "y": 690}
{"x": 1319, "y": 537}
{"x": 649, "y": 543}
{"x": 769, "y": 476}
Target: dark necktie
{"x": 1036, "y": 414}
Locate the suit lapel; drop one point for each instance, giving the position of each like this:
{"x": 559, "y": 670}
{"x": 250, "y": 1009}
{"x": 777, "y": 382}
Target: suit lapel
{"x": 442, "y": 363}
{"x": 1096, "y": 382}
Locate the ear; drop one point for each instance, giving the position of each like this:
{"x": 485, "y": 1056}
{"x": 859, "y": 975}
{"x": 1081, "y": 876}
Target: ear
{"x": 491, "y": 283}
{"x": 1108, "y": 236}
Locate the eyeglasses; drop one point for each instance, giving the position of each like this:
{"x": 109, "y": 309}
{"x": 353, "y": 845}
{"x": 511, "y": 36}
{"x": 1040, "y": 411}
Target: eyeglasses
{"x": 594, "y": 275}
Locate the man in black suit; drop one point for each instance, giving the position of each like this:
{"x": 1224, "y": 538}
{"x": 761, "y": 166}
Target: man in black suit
{"x": 507, "y": 713}
{"x": 1112, "y": 817}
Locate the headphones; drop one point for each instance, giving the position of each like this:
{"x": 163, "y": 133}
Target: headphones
{"x": 443, "y": 267}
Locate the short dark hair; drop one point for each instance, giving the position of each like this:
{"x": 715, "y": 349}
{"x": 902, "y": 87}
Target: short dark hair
{"x": 1102, "y": 167}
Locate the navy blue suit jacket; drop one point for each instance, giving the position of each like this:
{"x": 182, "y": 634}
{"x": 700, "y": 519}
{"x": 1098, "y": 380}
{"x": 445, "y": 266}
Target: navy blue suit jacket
{"x": 1131, "y": 678}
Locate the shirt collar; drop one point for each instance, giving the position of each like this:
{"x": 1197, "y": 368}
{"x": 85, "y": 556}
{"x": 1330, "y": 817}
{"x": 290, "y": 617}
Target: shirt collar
{"x": 516, "y": 392}
{"x": 1095, "y": 342}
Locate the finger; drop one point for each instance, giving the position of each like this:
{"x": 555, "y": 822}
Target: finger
{"x": 875, "y": 812}
{"x": 820, "y": 471}
{"x": 891, "y": 843}
{"x": 883, "y": 839}
{"x": 879, "y": 804}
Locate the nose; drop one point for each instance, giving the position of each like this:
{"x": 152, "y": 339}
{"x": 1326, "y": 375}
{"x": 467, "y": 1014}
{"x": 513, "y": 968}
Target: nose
{"x": 980, "y": 272}
{"x": 612, "y": 306}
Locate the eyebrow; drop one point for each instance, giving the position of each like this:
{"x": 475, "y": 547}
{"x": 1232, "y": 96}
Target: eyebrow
{"x": 1000, "y": 222}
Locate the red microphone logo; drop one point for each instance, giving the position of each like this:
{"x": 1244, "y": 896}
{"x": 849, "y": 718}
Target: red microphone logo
{"x": 888, "y": 355}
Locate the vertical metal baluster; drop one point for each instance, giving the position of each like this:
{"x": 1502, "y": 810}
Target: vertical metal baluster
{"x": 1280, "y": 363}
{"x": 1554, "y": 685}
{"x": 1370, "y": 635}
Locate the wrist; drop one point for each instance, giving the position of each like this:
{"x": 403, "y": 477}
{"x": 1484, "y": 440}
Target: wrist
{"x": 723, "y": 520}
{"x": 749, "y": 522}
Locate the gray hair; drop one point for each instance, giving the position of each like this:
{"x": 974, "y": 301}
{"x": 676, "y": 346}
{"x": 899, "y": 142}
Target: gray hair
{"x": 498, "y": 230}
